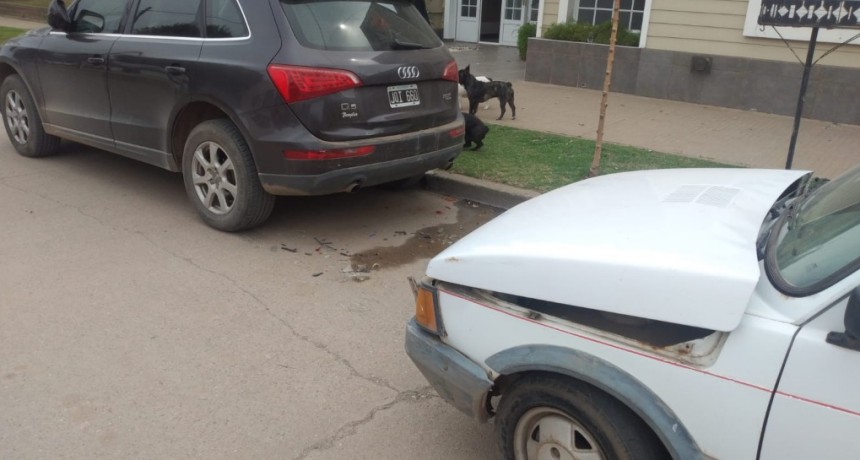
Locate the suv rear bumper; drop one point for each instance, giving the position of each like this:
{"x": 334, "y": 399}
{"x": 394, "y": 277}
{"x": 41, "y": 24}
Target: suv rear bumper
{"x": 458, "y": 380}
{"x": 347, "y": 179}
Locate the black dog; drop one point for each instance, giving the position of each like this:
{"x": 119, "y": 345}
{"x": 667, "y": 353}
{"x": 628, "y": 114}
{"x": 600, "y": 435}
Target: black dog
{"x": 475, "y": 131}
{"x": 479, "y": 91}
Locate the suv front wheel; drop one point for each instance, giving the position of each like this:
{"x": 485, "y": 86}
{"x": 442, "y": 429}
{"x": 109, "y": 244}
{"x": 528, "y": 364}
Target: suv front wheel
{"x": 221, "y": 179}
{"x": 22, "y": 121}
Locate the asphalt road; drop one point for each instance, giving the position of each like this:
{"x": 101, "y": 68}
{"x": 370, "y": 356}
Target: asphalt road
{"x": 129, "y": 329}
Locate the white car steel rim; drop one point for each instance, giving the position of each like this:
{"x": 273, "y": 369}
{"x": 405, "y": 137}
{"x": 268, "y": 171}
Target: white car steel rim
{"x": 544, "y": 433}
{"x": 17, "y": 117}
{"x": 214, "y": 178}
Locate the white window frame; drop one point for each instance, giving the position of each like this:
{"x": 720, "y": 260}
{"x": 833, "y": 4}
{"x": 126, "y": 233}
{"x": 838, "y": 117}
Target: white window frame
{"x": 509, "y": 7}
{"x": 566, "y": 7}
{"x": 754, "y": 30}
{"x": 596, "y": 8}
{"x": 469, "y": 5}
{"x": 537, "y": 12}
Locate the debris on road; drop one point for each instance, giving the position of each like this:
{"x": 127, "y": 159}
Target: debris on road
{"x": 357, "y": 273}
{"x": 324, "y": 243}
{"x": 425, "y": 242}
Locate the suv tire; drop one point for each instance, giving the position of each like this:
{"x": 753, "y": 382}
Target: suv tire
{"x": 22, "y": 121}
{"x": 221, "y": 178}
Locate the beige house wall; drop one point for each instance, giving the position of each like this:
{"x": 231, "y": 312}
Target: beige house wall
{"x": 436, "y": 11}
{"x": 716, "y": 27}
{"x": 550, "y": 13}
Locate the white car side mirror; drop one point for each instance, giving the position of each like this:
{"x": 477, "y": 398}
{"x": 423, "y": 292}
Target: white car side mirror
{"x": 849, "y": 339}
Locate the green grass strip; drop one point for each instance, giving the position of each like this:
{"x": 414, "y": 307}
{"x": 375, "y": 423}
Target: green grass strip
{"x": 542, "y": 162}
{"x": 8, "y": 32}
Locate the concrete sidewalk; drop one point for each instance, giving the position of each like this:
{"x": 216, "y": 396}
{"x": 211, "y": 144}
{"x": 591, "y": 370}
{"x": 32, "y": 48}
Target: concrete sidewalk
{"x": 730, "y": 136}
{"x": 726, "y": 135}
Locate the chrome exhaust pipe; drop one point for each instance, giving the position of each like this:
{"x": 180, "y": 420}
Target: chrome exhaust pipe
{"x": 353, "y": 186}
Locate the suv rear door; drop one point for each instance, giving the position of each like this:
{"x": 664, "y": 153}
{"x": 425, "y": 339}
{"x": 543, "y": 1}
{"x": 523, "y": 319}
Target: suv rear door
{"x": 152, "y": 68}
{"x": 390, "y": 48}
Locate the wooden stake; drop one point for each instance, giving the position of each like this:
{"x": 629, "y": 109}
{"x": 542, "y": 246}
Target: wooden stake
{"x": 607, "y": 83}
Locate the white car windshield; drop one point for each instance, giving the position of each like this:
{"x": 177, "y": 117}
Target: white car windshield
{"x": 818, "y": 243}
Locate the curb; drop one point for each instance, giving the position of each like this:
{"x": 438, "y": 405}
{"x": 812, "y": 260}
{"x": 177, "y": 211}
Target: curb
{"x": 477, "y": 190}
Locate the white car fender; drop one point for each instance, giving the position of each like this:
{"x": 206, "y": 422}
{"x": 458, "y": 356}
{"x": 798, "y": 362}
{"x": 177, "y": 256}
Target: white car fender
{"x": 599, "y": 373}
{"x": 740, "y": 381}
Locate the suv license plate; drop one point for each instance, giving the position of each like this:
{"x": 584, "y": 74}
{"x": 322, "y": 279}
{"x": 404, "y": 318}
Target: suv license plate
{"x": 403, "y": 96}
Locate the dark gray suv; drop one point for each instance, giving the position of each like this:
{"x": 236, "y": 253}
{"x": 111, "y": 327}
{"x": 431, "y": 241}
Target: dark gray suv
{"x": 247, "y": 98}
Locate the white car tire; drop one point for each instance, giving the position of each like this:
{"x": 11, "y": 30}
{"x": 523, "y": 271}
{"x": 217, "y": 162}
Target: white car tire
{"x": 548, "y": 416}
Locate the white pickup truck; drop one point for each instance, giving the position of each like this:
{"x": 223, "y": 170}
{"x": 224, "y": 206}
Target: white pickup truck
{"x": 701, "y": 313}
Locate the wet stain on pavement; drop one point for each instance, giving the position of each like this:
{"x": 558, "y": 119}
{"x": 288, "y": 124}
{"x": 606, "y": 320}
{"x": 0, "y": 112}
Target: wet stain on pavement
{"x": 426, "y": 242}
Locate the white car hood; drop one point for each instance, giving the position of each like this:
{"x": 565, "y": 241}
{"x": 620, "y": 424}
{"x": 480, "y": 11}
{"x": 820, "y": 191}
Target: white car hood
{"x": 670, "y": 245}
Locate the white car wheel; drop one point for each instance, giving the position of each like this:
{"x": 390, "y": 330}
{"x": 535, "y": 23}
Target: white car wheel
{"x": 550, "y": 417}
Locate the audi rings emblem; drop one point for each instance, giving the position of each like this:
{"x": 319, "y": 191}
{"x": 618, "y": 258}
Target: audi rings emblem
{"x": 407, "y": 72}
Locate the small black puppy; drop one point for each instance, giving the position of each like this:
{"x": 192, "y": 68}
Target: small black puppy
{"x": 475, "y": 131}
{"x": 479, "y": 91}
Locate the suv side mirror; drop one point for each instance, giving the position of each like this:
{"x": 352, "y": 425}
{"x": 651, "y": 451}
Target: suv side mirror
{"x": 89, "y": 21}
{"x": 849, "y": 339}
{"x": 58, "y": 16}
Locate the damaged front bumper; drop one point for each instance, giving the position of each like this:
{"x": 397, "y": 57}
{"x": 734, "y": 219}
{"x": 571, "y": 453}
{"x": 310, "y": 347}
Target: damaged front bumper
{"x": 458, "y": 380}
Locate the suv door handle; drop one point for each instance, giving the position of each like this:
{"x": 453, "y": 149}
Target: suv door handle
{"x": 175, "y": 70}
{"x": 96, "y": 60}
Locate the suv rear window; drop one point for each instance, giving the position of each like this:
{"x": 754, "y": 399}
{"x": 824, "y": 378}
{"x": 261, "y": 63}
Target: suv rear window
{"x": 359, "y": 25}
{"x": 224, "y": 20}
{"x": 172, "y": 18}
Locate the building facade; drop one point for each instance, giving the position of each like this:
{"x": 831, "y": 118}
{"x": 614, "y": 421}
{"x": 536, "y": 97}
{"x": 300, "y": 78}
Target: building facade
{"x": 706, "y": 51}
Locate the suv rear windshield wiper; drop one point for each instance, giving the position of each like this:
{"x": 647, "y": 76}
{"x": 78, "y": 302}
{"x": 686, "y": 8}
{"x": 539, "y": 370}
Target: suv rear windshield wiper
{"x": 398, "y": 44}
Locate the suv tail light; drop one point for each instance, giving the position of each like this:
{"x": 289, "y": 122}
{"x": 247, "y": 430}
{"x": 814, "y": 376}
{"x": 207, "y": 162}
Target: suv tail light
{"x": 451, "y": 72}
{"x": 300, "y": 83}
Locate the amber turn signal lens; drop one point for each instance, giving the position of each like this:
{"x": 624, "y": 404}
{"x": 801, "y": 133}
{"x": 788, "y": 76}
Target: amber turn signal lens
{"x": 425, "y": 309}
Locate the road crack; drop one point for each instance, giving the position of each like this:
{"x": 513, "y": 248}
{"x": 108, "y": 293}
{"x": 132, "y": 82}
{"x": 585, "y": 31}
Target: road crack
{"x": 343, "y": 432}
{"x": 315, "y": 343}
{"x": 79, "y": 209}
{"x": 351, "y": 428}
{"x": 292, "y": 330}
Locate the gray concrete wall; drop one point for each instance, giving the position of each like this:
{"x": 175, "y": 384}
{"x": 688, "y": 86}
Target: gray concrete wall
{"x": 741, "y": 83}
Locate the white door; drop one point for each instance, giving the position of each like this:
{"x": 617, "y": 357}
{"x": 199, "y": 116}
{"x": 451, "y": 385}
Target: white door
{"x": 512, "y": 18}
{"x": 816, "y": 409}
{"x": 468, "y": 22}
